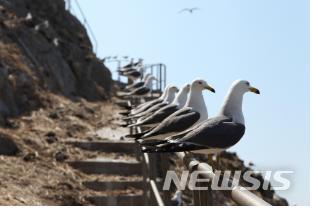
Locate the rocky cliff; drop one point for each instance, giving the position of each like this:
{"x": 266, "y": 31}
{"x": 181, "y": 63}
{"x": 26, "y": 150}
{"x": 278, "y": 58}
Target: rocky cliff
{"x": 52, "y": 88}
{"x": 43, "y": 48}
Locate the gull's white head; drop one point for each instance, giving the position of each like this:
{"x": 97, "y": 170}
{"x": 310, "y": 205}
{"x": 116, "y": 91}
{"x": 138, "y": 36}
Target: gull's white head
{"x": 146, "y": 76}
{"x": 195, "y": 98}
{"x": 181, "y": 97}
{"x": 165, "y": 92}
{"x": 242, "y": 87}
{"x": 173, "y": 89}
{"x": 186, "y": 88}
{"x": 200, "y": 84}
{"x": 232, "y": 106}
{"x": 171, "y": 94}
{"x": 149, "y": 81}
{"x": 152, "y": 78}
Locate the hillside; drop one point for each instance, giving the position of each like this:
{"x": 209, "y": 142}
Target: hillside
{"x": 43, "y": 48}
{"x": 52, "y": 87}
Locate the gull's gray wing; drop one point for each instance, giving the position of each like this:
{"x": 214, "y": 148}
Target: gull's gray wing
{"x": 140, "y": 91}
{"x": 178, "y": 121}
{"x": 152, "y": 109}
{"x": 159, "y": 115}
{"x": 218, "y": 132}
{"x": 135, "y": 74}
{"x": 136, "y": 85}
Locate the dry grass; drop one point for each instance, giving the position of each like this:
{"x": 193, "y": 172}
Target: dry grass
{"x": 12, "y": 56}
{"x": 35, "y": 177}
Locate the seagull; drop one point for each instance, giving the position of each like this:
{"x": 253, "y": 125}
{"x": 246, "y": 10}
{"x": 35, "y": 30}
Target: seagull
{"x": 143, "y": 107}
{"x": 133, "y": 65}
{"x": 138, "y": 84}
{"x": 141, "y": 91}
{"x": 129, "y": 72}
{"x": 190, "y": 10}
{"x": 147, "y": 105}
{"x": 133, "y": 75}
{"x": 192, "y": 113}
{"x": 161, "y": 114}
{"x": 215, "y": 134}
{"x": 123, "y": 71}
{"x": 167, "y": 100}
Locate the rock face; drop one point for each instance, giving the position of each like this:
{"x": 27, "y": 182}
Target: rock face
{"x": 7, "y": 146}
{"x": 45, "y": 48}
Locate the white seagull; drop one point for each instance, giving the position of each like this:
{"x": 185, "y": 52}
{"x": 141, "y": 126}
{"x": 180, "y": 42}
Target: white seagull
{"x": 167, "y": 100}
{"x": 141, "y": 91}
{"x": 215, "y": 134}
{"x": 138, "y": 84}
{"x": 194, "y": 112}
{"x": 143, "y": 107}
{"x": 161, "y": 114}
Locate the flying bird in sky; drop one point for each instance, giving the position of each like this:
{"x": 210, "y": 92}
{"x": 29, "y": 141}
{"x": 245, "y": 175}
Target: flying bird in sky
{"x": 190, "y": 10}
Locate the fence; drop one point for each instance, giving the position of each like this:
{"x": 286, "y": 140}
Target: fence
{"x": 159, "y": 71}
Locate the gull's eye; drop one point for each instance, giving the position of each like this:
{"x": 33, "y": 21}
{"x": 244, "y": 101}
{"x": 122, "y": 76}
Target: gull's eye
{"x": 200, "y": 82}
{"x": 248, "y": 84}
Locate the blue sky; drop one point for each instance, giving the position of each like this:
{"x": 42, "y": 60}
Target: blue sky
{"x": 263, "y": 41}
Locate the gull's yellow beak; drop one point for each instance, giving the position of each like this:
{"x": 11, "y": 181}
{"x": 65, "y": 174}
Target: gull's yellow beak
{"x": 210, "y": 88}
{"x": 254, "y": 90}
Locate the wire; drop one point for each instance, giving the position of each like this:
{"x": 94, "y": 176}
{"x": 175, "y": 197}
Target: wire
{"x": 86, "y": 24}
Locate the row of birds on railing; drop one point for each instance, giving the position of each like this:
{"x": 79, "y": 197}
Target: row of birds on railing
{"x": 178, "y": 120}
{"x": 140, "y": 84}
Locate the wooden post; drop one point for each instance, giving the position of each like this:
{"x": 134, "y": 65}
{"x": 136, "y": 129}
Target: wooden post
{"x": 145, "y": 185}
{"x": 146, "y": 178}
{"x": 205, "y": 199}
{"x": 165, "y": 165}
{"x": 196, "y": 198}
{"x": 152, "y": 175}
